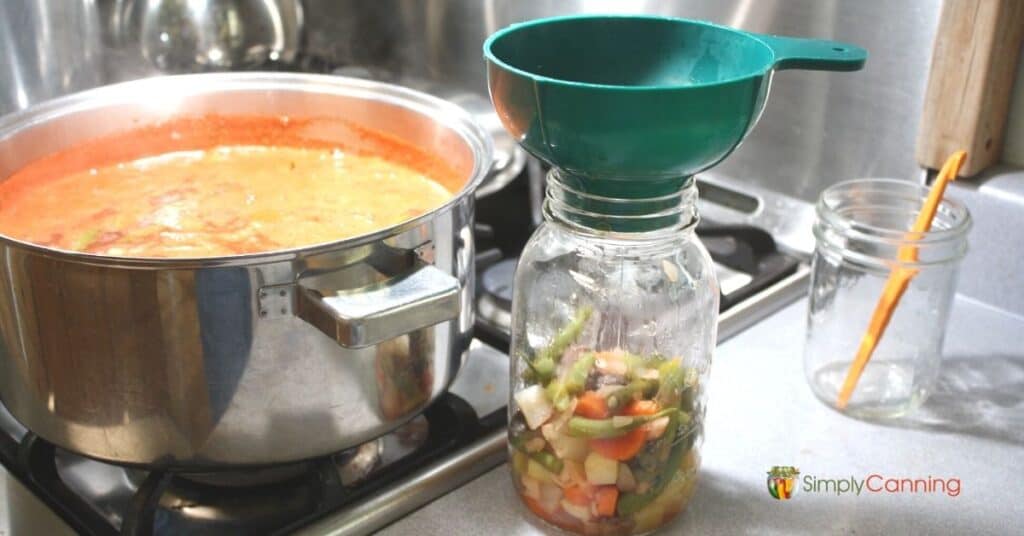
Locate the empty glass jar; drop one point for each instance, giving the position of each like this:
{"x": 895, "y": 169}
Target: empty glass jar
{"x": 613, "y": 322}
{"x": 861, "y": 227}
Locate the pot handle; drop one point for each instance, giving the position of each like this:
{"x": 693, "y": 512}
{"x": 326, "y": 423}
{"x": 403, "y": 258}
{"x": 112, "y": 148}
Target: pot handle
{"x": 814, "y": 54}
{"x": 371, "y": 315}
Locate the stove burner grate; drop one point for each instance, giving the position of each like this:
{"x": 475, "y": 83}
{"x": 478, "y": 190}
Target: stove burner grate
{"x": 272, "y": 499}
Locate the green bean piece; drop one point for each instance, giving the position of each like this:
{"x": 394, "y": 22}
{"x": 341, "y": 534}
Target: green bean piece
{"x": 545, "y": 368}
{"x": 566, "y": 336}
{"x": 560, "y": 392}
{"x": 539, "y": 370}
{"x": 673, "y": 379}
{"x": 615, "y": 426}
{"x": 546, "y": 459}
{"x": 622, "y": 396}
{"x": 631, "y": 503}
{"x": 576, "y": 379}
{"x": 521, "y": 438}
{"x": 689, "y": 394}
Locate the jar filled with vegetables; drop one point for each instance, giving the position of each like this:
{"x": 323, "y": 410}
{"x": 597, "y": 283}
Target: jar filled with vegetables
{"x": 613, "y": 323}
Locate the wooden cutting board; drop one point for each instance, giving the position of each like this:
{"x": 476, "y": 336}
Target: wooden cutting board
{"x": 970, "y": 84}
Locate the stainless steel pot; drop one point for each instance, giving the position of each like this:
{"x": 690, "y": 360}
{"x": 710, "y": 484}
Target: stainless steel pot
{"x": 252, "y": 359}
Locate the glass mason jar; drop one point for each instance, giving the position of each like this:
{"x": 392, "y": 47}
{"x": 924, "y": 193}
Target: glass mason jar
{"x": 614, "y": 318}
{"x": 860, "y": 229}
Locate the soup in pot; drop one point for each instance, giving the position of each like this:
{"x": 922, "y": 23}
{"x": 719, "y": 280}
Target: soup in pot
{"x": 215, "y": 201}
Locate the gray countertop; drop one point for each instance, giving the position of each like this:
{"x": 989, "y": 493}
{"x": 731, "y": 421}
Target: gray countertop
{"x": 761, "y": 413}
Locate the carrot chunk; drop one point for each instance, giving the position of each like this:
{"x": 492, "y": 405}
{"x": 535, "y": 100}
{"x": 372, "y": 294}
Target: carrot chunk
{"x": 641, "y": 407}
{"x": 620, "y": 448}
{"x": 592, "y": 406}
{"x": 577, "y": 495}
{"x": 605, "y": 499}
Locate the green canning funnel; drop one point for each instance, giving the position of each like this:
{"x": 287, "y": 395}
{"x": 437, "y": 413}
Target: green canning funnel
{"x": 630, "y": 107}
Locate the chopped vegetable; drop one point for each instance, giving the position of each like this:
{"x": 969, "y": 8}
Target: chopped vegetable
{"x": 642, "y": 364}
{"x": 641, "y": 407}
{"x": 548, "y": 461}
{"x": 573, "y": 473}
{"x": 561, "y": 392}
{"x": 626, "y": 480}
{"x": 647, "y": 374}
{"x": 542, "y": 366}
{"x": 543, "y": 472}
{"x": 519, "y": 461}
{"x": 630, "y": 503}
{"x": 531, "y": 486}
{"x": 601, "y": 470}
{"x": 649, "y": 518}
{"x": 592, "y": 406}
{"x": 535, "y": 444}
{"x": 611, "y": 363}
{"x": 578, "y": 495}
{"x": 535, "y": 406}
{"x": 656, "y": 428}
{"x": 603, "y": 442}
{"x": 613, "y": 427}
{"x": 648, "y": 464}
{"x": 541, "y": 369}
{"x": 545, "y": 460}
{"x": 553, "y": 517}
{"x": 605, "y": 498}
{"x": 672, "y": 382}
{"x": 550, "y": 496}
{"x": 579, "y": 512}
{"x": 677, "y": 489}
{"x": 639, "y": 387}
{"x": 565, "y": 446}
{"x": 566, "y": 336}
{"x": 620, "y": 448}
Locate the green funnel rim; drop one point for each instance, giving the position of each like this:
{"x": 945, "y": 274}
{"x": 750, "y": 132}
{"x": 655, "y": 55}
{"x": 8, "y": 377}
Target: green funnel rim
{"x": 491, "y": 57}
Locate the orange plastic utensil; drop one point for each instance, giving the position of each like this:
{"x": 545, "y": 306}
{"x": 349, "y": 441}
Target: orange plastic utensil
{"x": 899, "y": 279}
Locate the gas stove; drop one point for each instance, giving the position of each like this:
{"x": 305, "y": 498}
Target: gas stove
{"x": 361, "y": 490}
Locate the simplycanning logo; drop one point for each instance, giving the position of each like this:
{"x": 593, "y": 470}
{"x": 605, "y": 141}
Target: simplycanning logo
{"x": 782, "y": 483}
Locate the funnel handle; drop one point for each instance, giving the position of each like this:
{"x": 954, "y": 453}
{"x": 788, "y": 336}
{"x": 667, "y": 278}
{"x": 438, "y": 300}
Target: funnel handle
{"x": 814, "y": 54}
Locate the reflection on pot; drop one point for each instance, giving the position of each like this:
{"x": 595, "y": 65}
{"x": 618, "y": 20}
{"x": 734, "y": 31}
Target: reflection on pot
{"x": 404, "y": 374}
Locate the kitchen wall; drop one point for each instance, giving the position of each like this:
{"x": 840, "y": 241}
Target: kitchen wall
{"x": 818, "y": 128}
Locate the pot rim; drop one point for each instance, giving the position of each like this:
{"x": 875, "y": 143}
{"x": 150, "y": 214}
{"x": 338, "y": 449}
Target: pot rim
{"x": 445, "y": 113}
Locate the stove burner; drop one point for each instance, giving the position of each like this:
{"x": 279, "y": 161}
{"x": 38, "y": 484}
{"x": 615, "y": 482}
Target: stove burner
{"x": 97, "y": 498}
{"x": 185, "y": 505}
{"x": 258, "y": 476}
{"x": 354, "y": 465}
{"x": 494, "y": 305}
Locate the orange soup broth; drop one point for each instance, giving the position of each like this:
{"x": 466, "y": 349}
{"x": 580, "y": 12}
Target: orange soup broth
{"x": 220, "y": 186}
